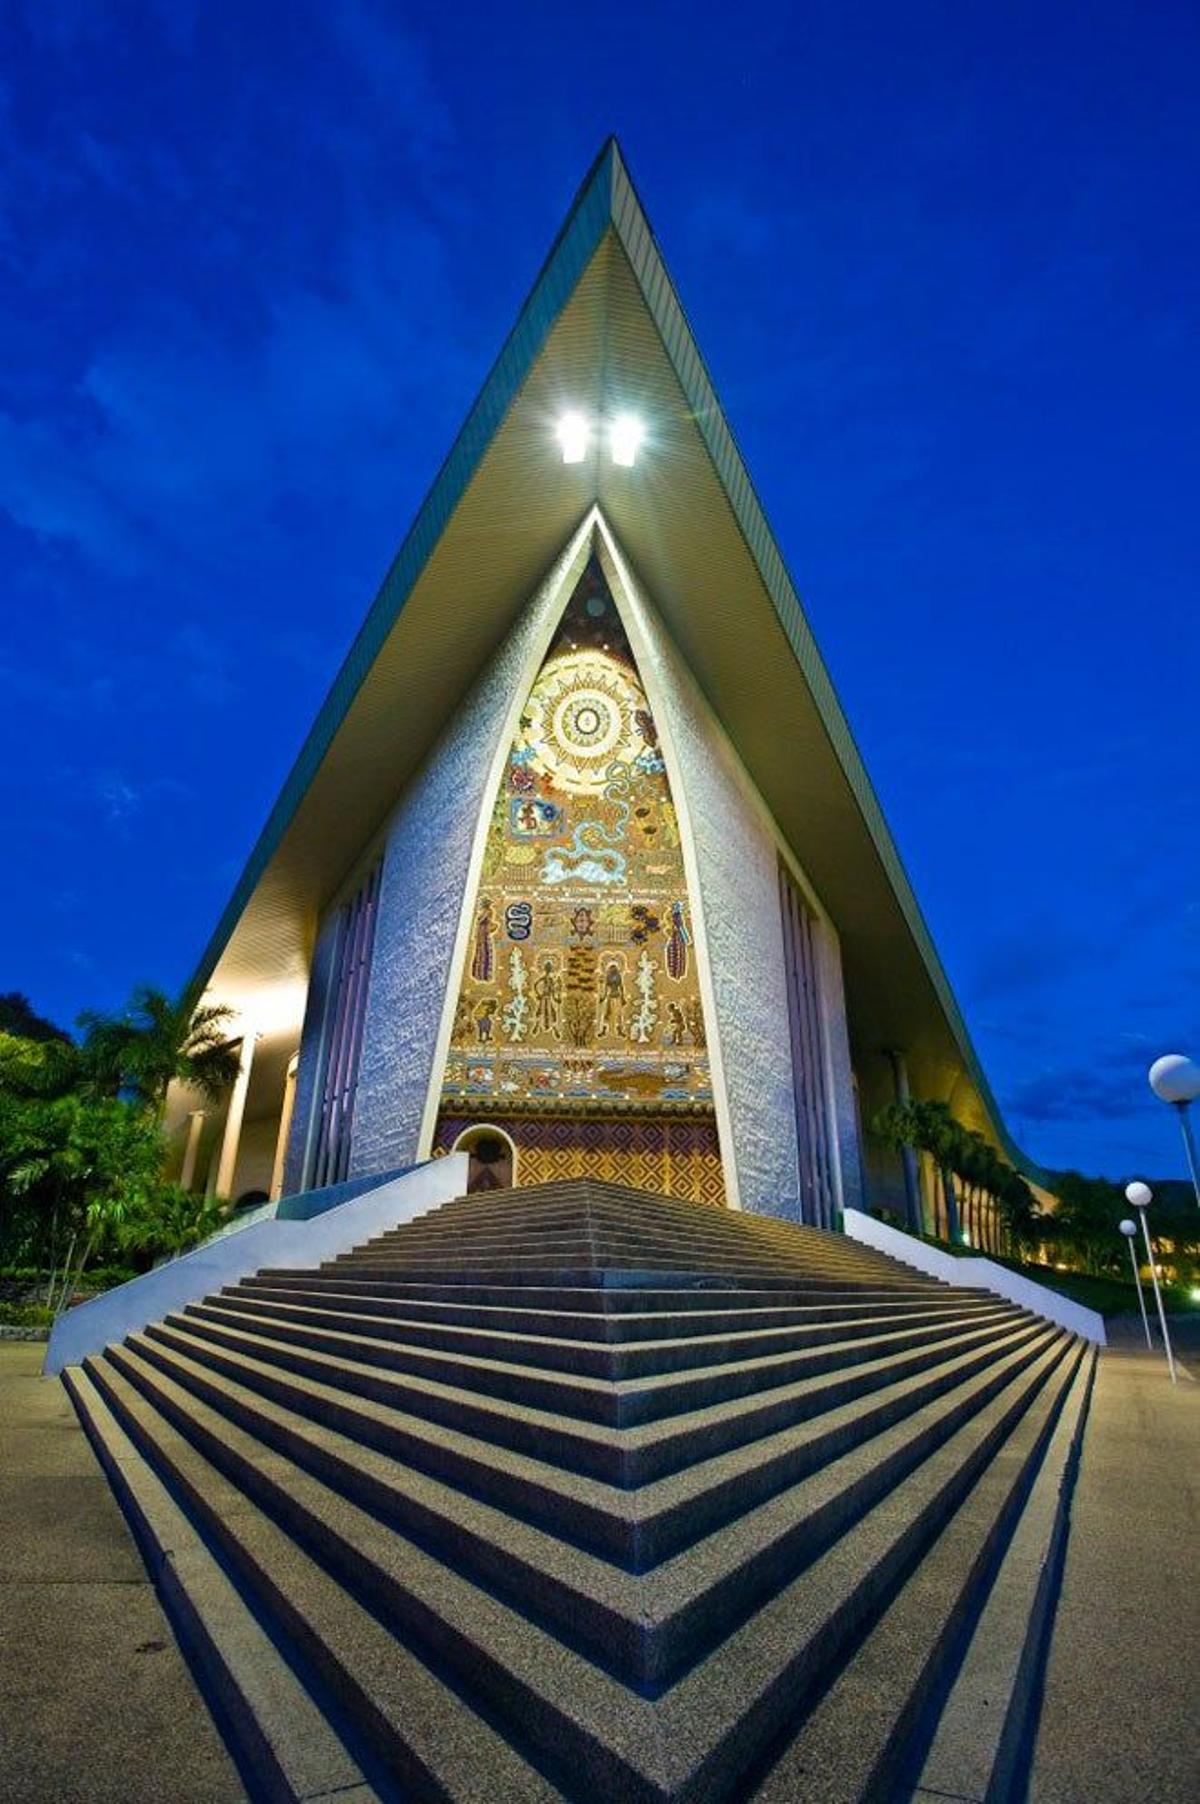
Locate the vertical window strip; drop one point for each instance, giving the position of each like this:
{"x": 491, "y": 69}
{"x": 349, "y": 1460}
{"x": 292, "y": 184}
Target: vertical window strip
{"x": 818, "y": 1087}
{"x": 337, "y": 978}
{"x": 791, "y": 943}
{"x": 359, "y": 1015}
{"x": 810, "y": 1089}
{"x": 352, "y": 965}
{"x": 341, "y": 1073}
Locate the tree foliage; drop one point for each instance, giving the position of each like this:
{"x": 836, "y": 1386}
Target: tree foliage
{"x": 975, "y": 1178}
{"x": 984, "y": 1192}
{"x": 81, "y": 1145}
{"x": 1084, "y": 1226}
{"x": 156, "y": 1040}
{"x": 19, "y": 1017}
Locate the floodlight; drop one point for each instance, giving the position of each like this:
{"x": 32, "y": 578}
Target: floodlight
{"x": 573, "y": 434}
{"x": 625, "y": 437}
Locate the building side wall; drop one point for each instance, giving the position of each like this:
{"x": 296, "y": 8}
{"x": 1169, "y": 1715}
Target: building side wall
{"x": 426, "y": 867}
{"x": 737, "y": 866}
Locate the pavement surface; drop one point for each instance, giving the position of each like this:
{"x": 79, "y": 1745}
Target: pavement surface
{"x": 1120, "y": 1721}
{"x": 97, "y": 1704}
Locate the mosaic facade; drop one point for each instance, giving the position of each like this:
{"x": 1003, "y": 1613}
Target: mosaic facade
{"x": 580, "y": 992}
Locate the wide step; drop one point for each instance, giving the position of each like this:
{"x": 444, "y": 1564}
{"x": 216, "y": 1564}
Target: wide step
{"x": 592, "y": 1539}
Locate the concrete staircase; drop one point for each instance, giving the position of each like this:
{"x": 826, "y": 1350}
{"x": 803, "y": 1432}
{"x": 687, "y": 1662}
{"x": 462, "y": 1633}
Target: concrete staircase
{"x": 581, "y": 1492}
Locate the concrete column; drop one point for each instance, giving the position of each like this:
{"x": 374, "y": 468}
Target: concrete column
{"x": 231, "y": 1139}
{"x": 908, "y": 1157}
{"x": 187, "y": 1173}
{"x": 285, "y": 1128}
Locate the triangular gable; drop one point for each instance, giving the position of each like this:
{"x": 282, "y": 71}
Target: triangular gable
{"x": 602, "y": 327}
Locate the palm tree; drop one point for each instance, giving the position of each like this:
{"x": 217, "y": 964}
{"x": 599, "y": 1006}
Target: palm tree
{"x": 930, "y": 1128}
{"x": 983, "y": 1170}
{"x": 1018, "y": 1211}
{"x": 896, "y": 1126}
{"x": 156, "y": 1040}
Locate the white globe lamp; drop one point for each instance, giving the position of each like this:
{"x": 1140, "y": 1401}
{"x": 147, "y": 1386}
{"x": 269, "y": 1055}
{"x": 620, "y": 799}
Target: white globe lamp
{"x": 1129, "y": 1229}
{"x": 1176, "y": 1079}
{"x": 1141, "y": 1196}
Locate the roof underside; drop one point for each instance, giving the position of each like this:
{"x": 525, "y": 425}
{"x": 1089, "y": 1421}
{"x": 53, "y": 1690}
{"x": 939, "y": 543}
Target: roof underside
{"x": 603, "y": 330}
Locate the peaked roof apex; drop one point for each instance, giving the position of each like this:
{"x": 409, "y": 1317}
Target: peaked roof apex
{"x": 603, "y": 299}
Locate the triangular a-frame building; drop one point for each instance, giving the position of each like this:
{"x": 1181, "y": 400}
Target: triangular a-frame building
{"x": 450, "y": 934}
{"x": 609, "y": 1484}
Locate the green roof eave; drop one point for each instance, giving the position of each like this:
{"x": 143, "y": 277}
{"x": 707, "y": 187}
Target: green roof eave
{"x": 589, "y": 218}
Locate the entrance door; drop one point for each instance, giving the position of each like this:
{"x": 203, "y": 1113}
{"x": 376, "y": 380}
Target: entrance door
{"x": 492, "y": 1159}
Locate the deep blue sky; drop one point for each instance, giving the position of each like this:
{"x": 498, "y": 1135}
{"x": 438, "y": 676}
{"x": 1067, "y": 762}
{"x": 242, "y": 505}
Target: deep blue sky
{"x": 942, "y": 260}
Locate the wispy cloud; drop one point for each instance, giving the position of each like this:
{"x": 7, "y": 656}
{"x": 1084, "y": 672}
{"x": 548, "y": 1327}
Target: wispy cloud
{"x": 122, "y": 797}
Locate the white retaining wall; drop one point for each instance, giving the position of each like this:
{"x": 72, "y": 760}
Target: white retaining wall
{"x": 976, "y": 1274}
{"x": 92, "y": 1326}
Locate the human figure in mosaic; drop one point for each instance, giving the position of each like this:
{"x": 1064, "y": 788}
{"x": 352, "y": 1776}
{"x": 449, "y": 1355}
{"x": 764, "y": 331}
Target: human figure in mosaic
{"x": 547, "y": 992}
{"x": 482, "y": 963}
{"x": 695, "y": 1018}
{"x": 485, "y": 1013}
{"x": 612, "y": 1001}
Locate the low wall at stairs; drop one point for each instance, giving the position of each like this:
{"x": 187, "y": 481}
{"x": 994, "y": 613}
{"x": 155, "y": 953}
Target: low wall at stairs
{"x": 976, "y": 1274}
{"x": 238, "y": 1252}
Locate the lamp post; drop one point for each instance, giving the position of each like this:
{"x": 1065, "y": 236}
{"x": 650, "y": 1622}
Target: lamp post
{"x": 1129, "y": 1229}
{"x": 1176, "y": 1079}
{"x": 1140, "y": 1196}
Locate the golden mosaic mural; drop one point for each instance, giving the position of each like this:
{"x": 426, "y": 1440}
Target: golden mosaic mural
{"x": 580, "y": 991}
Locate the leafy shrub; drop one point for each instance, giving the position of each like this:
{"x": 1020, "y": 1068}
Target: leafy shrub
{"x": 25, "y": 1315}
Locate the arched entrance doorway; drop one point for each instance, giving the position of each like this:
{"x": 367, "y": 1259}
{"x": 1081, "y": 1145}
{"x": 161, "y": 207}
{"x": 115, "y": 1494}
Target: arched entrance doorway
{"x": 493, "y": 1158}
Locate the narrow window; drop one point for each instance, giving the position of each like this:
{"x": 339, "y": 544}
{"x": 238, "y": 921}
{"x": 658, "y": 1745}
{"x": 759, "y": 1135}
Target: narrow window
{"x": 809, "y": 1088}
{"x": 343, "y": 1045}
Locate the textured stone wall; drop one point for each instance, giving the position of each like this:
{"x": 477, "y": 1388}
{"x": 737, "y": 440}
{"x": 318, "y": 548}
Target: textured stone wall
{"x": 425, "y": 871}
{"x": 739, "y": 898}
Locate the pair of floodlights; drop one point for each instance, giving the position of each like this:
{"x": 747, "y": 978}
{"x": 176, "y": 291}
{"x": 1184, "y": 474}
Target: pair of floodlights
{"x": 624, "y": 433}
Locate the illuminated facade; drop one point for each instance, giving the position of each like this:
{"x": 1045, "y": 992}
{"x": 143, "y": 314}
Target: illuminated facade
{"x": 579, "y": 868}
{"x": 579, "y": 1012}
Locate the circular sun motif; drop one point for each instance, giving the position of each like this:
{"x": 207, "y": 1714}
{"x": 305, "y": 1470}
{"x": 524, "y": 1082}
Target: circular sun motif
{"x": 587, "y": 723}
{"x": 584, "y": 715}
